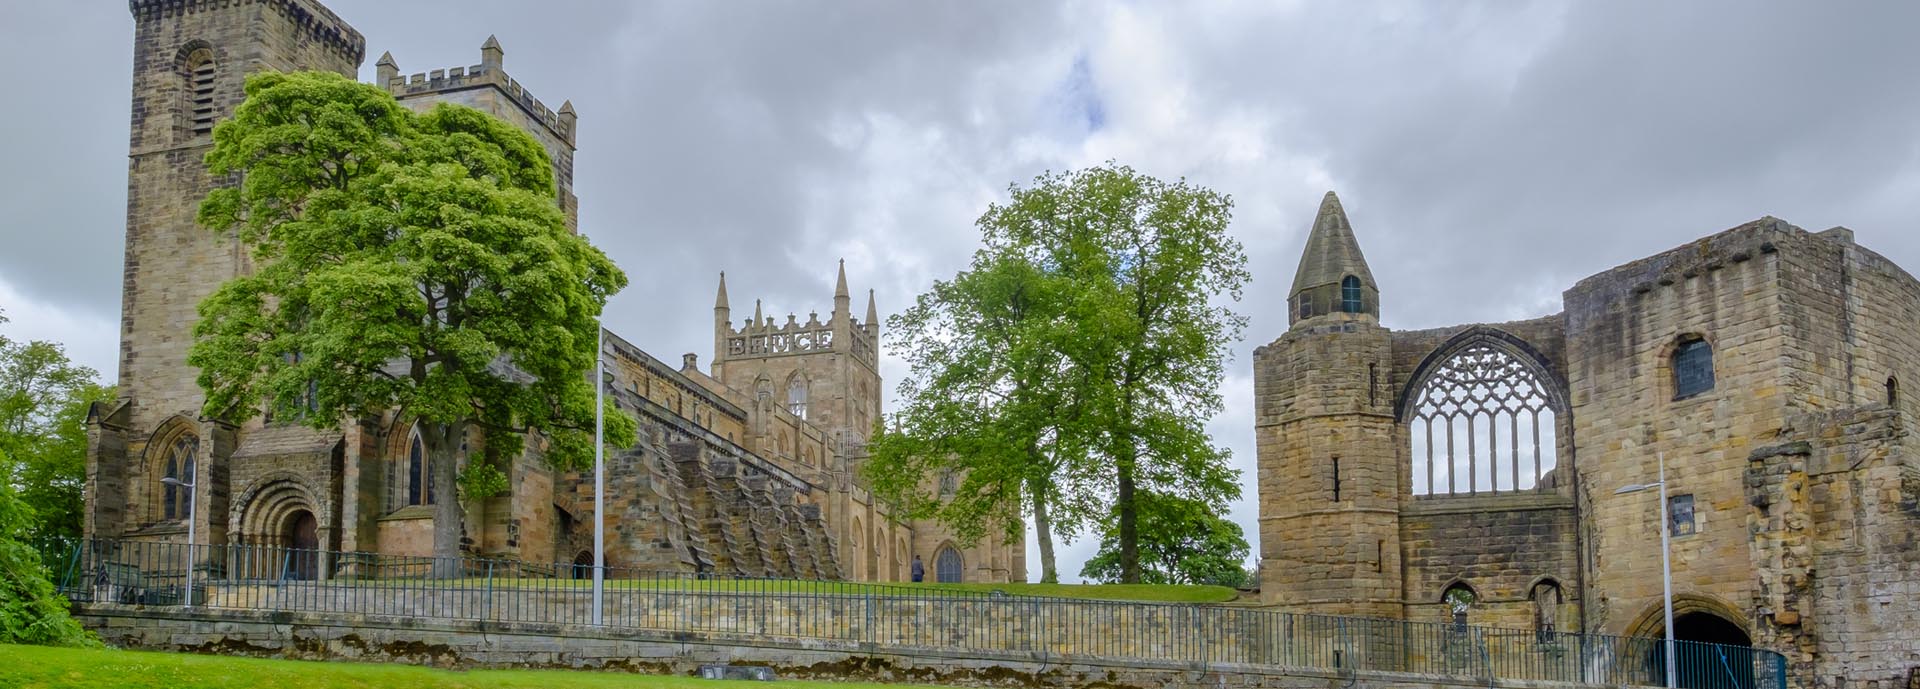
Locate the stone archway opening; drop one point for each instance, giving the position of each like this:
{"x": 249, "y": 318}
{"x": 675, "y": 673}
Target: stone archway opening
{"x": 1710, "y": 652}
{"x": 301, "y": 534}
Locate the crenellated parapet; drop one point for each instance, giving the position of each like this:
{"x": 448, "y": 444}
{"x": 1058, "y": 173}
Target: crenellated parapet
{"x": 314, "y": 20}
{"x": 559, "y": 123}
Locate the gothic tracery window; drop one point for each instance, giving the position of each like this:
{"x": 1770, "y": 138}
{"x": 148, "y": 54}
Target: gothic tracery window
{"x": 410, "y": 476}
{"x": 797, "y": 396}
{"x": 176, "y": 501}
{"x": 1481, "y": 422}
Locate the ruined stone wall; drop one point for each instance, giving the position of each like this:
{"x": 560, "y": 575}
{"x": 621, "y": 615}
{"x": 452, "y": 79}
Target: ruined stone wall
{"x": 1835, "y": 516}
{"x": 1501, "y": 546}
{"x": 1623, "y": 326}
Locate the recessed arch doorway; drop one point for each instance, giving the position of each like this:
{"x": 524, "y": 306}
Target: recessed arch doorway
{"x": 301, "y": 532}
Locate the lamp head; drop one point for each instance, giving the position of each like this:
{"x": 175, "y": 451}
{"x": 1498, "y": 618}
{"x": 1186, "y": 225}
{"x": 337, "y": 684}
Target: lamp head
{"x": 1636, "y": 487}
{"x": 171, "y": 481}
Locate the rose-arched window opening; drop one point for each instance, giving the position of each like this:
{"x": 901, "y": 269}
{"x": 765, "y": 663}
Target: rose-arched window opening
{"x": 1481, "y": 422}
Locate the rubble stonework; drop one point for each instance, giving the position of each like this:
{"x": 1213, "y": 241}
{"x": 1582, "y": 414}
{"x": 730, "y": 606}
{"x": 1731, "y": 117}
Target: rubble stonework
{"x": 1793, "y": 489}
{"x": 722, "y": 480}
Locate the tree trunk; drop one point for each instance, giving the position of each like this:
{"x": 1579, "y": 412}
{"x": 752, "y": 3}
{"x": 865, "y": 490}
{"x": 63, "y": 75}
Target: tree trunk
{"x": 1129, "y": 521}
{"x": 443, "y": 445}
{"x": 1043, "y": 531}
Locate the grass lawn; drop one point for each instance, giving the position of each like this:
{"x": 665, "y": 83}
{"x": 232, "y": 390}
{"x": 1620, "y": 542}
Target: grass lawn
{"x": 39, "y": 667}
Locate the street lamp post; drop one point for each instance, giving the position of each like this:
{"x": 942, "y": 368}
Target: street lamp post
{"x": 1666, "y": 559}
{"x": 599, "y": 469}
{"x": 193, "y": 514}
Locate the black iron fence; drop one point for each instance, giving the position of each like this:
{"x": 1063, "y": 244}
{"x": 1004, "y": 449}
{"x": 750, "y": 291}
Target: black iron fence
{"x": 904, "y": 616}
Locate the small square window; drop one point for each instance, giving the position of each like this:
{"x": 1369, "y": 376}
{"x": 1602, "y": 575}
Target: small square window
{"x": 1680, "y": 514}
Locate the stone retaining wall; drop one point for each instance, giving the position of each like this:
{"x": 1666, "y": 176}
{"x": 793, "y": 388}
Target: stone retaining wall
{"x": 474, "y": 644}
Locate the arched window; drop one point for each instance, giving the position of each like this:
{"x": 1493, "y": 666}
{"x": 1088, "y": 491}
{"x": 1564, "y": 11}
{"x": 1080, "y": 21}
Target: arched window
{"x": 410, "y": 476}
{"x": 1692, "y": 367}
{"x": 949, "y": 483}
{"x": 1481, "y": 421}
{"x": 176, "y": 501}
{"x": 197, "y": 106}
{"x": 947, "y": 566}
{"x": 797, "y": 396}
{"x": 1546, "y": 608}
{"x": 1459, "y": 598}
{"x": 1893, "y": 392}
{"x": 1350, "y": 294}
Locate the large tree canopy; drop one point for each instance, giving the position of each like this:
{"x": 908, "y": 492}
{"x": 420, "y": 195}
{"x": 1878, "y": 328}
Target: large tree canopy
{"x": 991, "y": 413}
{"x": 43, "y": 436}
{"x": 401, "y": 261}
{"x": 1079, "y": 357}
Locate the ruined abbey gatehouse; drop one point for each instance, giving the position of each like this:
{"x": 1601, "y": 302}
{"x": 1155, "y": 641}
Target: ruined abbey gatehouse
{"x": 1498, "y": 473}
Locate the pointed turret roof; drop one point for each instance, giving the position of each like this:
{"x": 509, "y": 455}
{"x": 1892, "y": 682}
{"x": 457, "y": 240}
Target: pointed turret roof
{"x": 720, "y": 300}
{"x": 386, "y": 60}
{"x": 840, "y": 287}
{"x": 1332, "y": 252}
{"x": 873, "y": 314}
{"x": 493, "y": 43}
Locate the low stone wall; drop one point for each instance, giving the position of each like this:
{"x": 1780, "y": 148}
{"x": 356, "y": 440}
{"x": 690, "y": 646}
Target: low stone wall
{"x": 474, "y": 644}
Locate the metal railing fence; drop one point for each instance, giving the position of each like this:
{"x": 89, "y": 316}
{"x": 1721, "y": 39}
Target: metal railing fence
{"x": 244, "y": 577}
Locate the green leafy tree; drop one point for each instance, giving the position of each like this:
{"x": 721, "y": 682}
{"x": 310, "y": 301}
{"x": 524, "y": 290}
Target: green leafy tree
{"x": 1145, "y": 261}
{"x": 1183, "y": 541}
{"x": 43, "y": 436}
{"x": 402, "y": 261}
{"x": 989, "y": 425}
{"x": 31, "y": 610}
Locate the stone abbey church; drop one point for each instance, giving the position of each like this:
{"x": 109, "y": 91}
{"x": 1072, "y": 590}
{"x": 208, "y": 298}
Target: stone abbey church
{"x": 746, "y": 469}
{"x": 1476, "y": 472}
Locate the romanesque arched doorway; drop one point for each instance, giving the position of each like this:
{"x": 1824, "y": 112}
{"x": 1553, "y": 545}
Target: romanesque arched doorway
{"x": 301, "y": 533}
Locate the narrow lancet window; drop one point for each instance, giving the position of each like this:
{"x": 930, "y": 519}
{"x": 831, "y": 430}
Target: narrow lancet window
{"x": 198, "y": 106}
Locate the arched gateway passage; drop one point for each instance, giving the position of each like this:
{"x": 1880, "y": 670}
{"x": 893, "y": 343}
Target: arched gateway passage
{"x": 1709, "y": 652}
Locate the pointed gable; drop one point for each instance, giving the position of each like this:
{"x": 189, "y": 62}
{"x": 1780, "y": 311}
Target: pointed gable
{"x": 1332, "y": 252}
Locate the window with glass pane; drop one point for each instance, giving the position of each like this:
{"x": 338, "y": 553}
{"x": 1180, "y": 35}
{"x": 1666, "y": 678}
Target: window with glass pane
{"x": 1692, "y": 368}
{"x": 1350, "y": 294}
{"x": 1680, "y": 513}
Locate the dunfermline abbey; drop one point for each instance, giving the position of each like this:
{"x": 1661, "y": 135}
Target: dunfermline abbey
{"x": 1484, "y": 473}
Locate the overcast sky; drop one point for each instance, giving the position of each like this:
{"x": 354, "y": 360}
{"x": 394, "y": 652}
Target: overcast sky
{"x": 1489, "y": 154}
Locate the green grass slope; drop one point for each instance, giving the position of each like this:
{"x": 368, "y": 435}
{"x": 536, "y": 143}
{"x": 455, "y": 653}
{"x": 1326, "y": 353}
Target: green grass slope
{"x": 40, "y": 667}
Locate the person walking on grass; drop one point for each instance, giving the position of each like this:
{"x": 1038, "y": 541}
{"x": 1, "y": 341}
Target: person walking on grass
{"x": 919, "y": 570}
